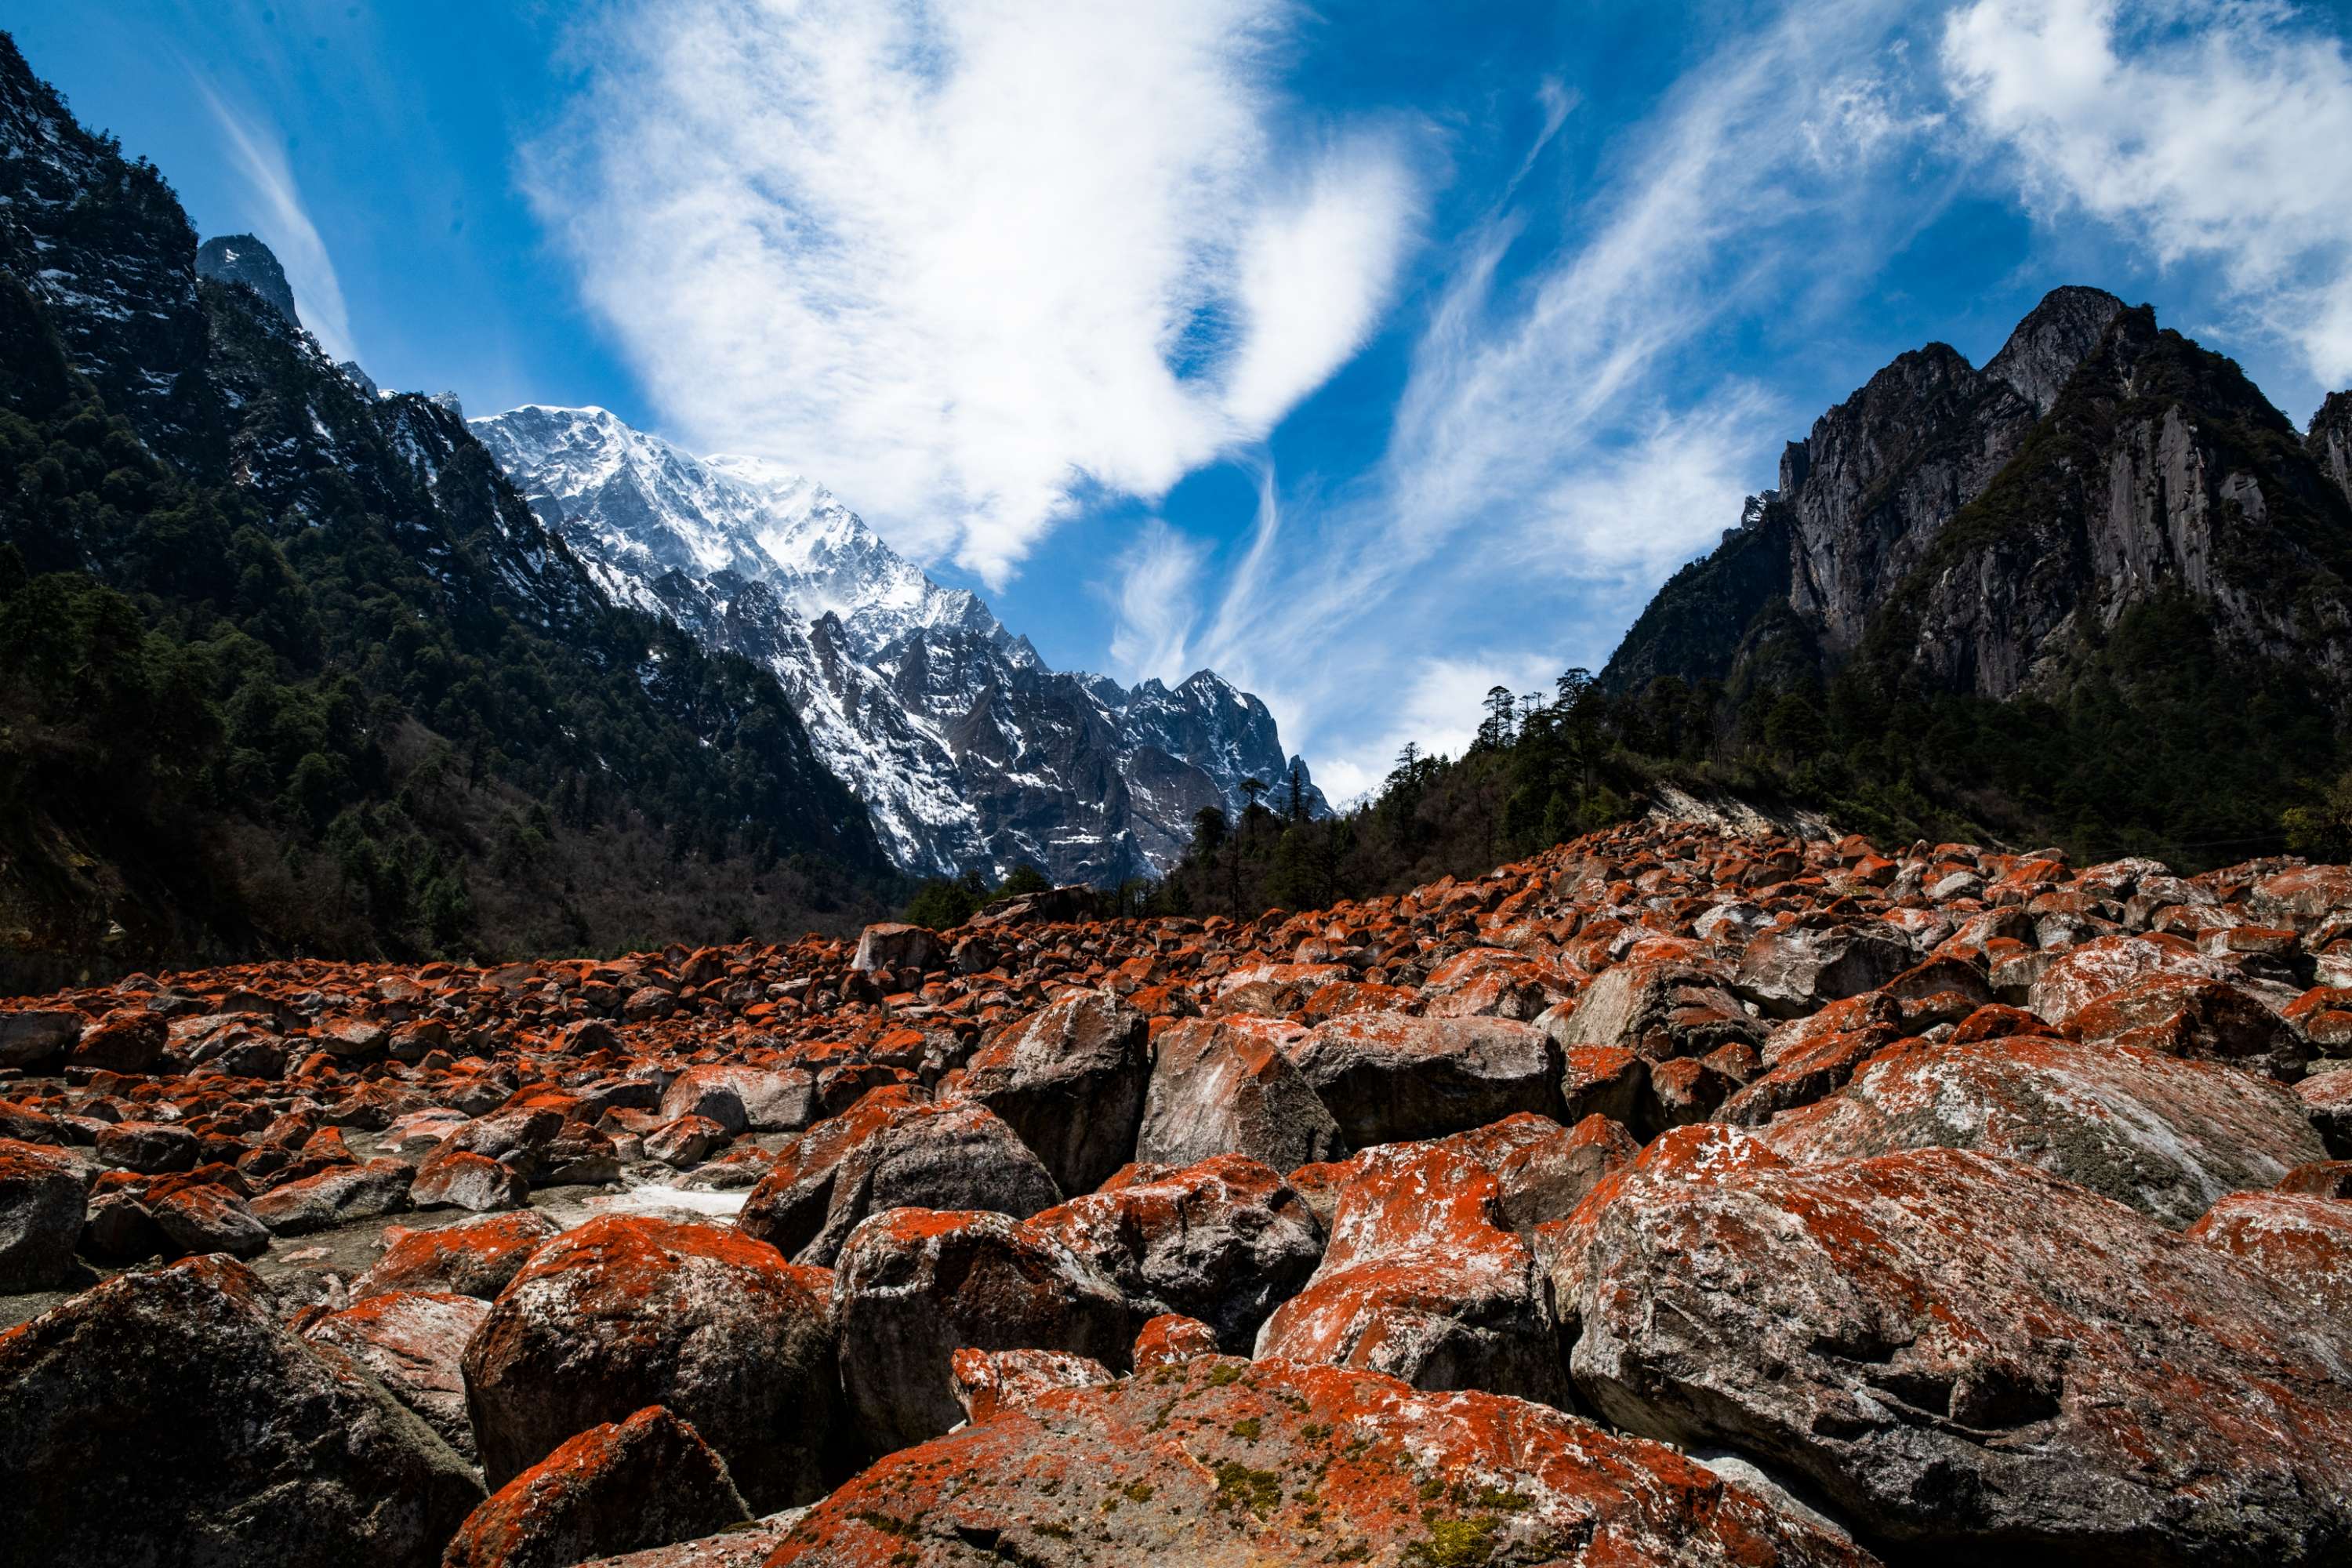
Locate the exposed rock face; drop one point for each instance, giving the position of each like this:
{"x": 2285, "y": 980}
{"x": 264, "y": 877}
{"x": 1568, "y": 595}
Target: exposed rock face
{"x": 1223, "y": 1241}
{"x": 124, "y": 298}
{"x": 971, "y": 754}
{"x": 41, "y": 1198}
{"x": 891, "y": 1150}
{"x": 165, "y": 1418}
{"x": 412, "y": 1341}
{"x": 2301, "y": 1245}
{"x": 1978, "y": 529}
{"x": 2330, "y": 440}
{"x": 1230, "y": 1463}
{"x": 625, "y": 1312}
{"x": 474, "y": 1258}
{"x": 2167, "y": 1137}
{"x": 914, "y": 1286}
{"x": 1071, "y": 1083}
{"x": 243, "y": 260}
{"x": 1973, "y": 1355}
{"x": 1386, "y": 1076}
{"x": 1225, "y": 1086}
{"x": 1420, "y": 1281}
{"x": 619, "y": 1486}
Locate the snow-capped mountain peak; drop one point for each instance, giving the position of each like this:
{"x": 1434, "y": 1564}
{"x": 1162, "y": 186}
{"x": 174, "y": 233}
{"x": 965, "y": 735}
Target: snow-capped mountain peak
{"x": 969, "y": 751}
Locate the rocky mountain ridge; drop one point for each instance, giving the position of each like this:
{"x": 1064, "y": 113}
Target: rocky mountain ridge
{"x": 284, "y": 665}
{"x": 1981, "y": 531}
{"x": 1674, "y": 1196}
{"x": 969, "y": 751}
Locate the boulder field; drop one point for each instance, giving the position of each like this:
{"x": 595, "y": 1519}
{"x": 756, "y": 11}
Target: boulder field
{"x": 1675, "y": 1196}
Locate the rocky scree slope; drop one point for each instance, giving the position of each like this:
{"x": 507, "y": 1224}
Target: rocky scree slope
{"x": 1673, "y": 1196}
{"x": 969, "y": 751}
{"x": 1982, "y": 532}
{"x": 284, "y": 664}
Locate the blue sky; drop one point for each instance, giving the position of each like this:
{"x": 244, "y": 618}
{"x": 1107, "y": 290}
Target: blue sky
{"x": 1369, "y": 353}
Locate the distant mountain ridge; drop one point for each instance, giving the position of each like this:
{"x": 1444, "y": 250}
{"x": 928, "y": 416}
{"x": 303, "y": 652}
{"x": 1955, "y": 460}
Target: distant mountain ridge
{"x": 969, "y": 751}
{"x": 287, "y": 666}
{"x": 1982, "y": 532}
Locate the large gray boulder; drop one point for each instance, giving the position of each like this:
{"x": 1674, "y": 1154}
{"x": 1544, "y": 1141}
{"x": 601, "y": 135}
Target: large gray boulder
{"x": 1223, "y": 1086}
{"x": 1390, "y": 1077}
{"x": 2167, "y": 1136}
{"x": 42, "y": 1198}
{"x": 891, "y": 1149}
{"x": 914, "y": 1286}
{"x": 167, "y": 1417}
{"x": 1967, "y": 1357}
{"x": 1071, "y": 1081}
{"x": 628, "y": 1311}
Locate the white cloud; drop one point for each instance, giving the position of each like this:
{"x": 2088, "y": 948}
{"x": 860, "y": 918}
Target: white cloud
{"x": 1155, "y": 604}
{"x": 1541, "y": 475}
{"x": 969, "y": 261}
{"x": 282, "y": 223}
{"x": 2207, "y": 129}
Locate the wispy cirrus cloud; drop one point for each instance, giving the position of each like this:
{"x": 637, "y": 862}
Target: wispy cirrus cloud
{"x": 2212, "y": 130}
{"x": 971, "y": 262}
{"x": 1555, "y": 452}
{"x": 283, "y": 223}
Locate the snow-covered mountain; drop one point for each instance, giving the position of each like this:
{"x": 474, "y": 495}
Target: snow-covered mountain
{"x": 967, "y": 750}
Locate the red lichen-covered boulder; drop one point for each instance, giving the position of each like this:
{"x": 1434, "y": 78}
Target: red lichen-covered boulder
{"x": 743, "y": 1099}
{"x": 149, "y": 1148}
{"x": 1659, "y": 1008}
{"x": 627, "y": 1311}
{"x": 1390, "y": 1077}
{"x": 1070, "y": 1081}
{"x": 1169, "y": 1337}
{"x": 1226, "y": 1240}
{"x": 2104, "y": 965}
{"x": 2164, "y": 1135}
{"x": 1703, "y": 1152}
{"x": 167, "y": 1417}
{"x": 1812, "y": 1057}
{"x": 891, "y": 1149}
{"x": 2326, "y": 1101}
{"x": 1600, "y": 1080}
{"x": 2320, "y": 1179}
{"x": 620, "y": 1486}
{"x": 2300, "y": 1244}
{"x": 1219, "y": 1463}
{"x": 460, "y": 1179}
{"x": 42, "y": 1198}
{"x": 990, "y": 1384}
{"x": 1545, "y": 1179}
{"x": 1790, "y": 972}
{"x": 914, "y": 1286}
{"x": 205, "y": 1216}
{"x": 1969, "y": 1356}
{"x": 2190, "y": 1016}
{"x": 335, "y": 1197}
{"x": 899, "y": 949}
{"x": 474, "y": 1258}
{"x": 412, "y": 1341}
{"x": 123, "y": 1041}
{"x": 1421, "y": 1278}
{"x": 1223, "y": 1086}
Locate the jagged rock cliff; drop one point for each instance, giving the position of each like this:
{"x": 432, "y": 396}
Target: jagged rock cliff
{"x": 1982, "y": 531}
{"x": 969, "y": 751}
{"x": 242, "y": 258}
